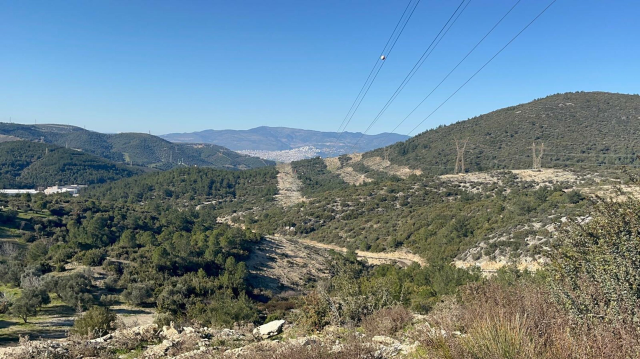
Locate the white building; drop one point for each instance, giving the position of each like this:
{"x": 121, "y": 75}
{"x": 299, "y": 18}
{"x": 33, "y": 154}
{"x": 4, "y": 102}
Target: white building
{"x": 73, "y": 189}
{"x": 15, "y": 192}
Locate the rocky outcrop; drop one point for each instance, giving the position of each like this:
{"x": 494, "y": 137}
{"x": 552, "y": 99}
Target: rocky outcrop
{"x": 195, "y": 342}
{"x": 269, "y": 330}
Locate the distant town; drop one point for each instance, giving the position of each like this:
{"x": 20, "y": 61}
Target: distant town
{"x": 286, "y": 156}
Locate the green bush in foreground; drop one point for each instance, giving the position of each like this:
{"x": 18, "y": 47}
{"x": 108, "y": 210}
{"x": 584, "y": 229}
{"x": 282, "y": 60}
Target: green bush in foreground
{"x": 596, "y": 269}
{"x": 95, "y": 322}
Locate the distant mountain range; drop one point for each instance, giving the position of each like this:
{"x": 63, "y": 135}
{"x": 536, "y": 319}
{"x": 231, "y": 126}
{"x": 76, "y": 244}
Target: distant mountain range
{"x": 137, "y": 149}
{"x": 271, "y": 142}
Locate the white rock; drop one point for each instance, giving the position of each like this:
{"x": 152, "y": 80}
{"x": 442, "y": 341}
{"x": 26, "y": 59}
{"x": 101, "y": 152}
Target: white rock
{"x": 304, "y": 341}
{"x": 170, "y": 332}
{"x": 268, "y": 330}
{"x": 380, "y": 339}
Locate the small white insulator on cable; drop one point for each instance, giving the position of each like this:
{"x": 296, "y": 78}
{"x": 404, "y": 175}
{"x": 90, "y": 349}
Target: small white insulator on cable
{"x": 382, "y": 57}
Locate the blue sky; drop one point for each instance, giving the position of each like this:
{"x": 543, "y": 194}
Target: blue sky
{"x": 181, "y": 66}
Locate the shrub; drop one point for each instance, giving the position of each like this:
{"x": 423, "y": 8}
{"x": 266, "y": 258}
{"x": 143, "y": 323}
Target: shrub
{"x": 109, "y": 300}
{"x": 73, "y": 289}
{"x": 500, "y": 337}
{"x": 137, "y": 293}
{"x": 315, "y": 311}
{"x": 93, "y": 257}
{"x": 596, "y": 265}
{"x": 95, "y": 322}
{"x": 387, "y": 321}
{"x": 521, "y": 320}
{"x": 223, "y": 311}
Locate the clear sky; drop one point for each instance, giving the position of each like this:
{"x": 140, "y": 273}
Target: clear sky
{"x": 181, "y": 66}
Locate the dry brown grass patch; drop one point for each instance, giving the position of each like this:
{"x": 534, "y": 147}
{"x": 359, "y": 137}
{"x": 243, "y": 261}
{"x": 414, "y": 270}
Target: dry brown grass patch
{"x": 387, "y": 321}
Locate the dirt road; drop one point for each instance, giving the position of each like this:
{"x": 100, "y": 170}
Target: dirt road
{"x": 403, "y": 258}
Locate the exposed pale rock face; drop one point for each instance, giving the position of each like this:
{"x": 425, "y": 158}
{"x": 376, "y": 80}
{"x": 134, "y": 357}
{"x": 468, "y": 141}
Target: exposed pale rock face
{"x": 268, "y": 330}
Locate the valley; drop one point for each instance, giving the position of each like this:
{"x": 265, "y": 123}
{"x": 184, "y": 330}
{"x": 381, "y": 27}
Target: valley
{"x": 177, "y": 258}
{"x": 319, "y": 180}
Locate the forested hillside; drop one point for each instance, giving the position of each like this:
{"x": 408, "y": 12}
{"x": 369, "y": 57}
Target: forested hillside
{"x": 578, "y": 129}
{"x": 191, "y": 186}
{"x": 25, "y": 164}
{"x": 133, "y": 148}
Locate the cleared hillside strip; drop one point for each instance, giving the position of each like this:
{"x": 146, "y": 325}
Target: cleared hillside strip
{"x": 348, "y": 174}
{"x": 288, "y": 186}
{"x": 380, "y": 164}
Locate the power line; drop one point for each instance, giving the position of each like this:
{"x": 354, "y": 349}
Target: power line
{"x": 361, "y": 95}
{"x": 459, "y": 63}
{"x": 425, "y": 55}
{"x": 483, "y": 66}
{"x": 375, "y": 64}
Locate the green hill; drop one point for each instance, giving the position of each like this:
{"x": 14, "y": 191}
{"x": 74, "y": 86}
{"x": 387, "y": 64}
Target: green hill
{"x": 133, "y": 148}
{"x": 577, "y": 129}
{"x": 499, "y": 216}
{"x": 25, "y": 164}
{"x": 191, "y": 186}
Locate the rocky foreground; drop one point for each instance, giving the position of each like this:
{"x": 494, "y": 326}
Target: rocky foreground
{"x": 273, "y": 340}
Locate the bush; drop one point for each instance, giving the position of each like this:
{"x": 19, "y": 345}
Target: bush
{"x": 95, "y": 322}
{"x": 73, "y": 289}
{"x": 500, "y": 337}
{"x": 223, "y": 311}
{"x": 137, "y": 293}
{"x": 315, "y": 311}
{"x": 387, "y": 321}
{"x": 596, "y": 265}
{"x": 520, "y": 320}
{"x": 93, "y": 257}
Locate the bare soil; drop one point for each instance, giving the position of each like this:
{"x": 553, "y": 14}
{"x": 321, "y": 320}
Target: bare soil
{"x": 288, "y": 186}
{"x": 283, "y": 264}
{"x": 379, "y": 164}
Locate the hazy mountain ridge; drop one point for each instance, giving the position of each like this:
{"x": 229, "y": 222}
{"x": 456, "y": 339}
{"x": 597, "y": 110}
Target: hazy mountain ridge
{"x": 285, "y": 139}
{"x": 577, "y": 129}
{"x": 132, "y": 148}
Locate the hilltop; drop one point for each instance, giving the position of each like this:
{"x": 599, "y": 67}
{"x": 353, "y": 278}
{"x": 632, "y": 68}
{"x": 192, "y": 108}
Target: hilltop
{"x": 132, "y": 148}
{"x": 284, "y": 143}
{"x": 400, "y": 197}
{"x": 580, "y": 129}
{"x": 26, "y": 164}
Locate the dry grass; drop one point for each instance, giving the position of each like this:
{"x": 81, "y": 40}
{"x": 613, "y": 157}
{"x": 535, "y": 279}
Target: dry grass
{"x": 387, "y": 321}
{"x": 521, "y": 321}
